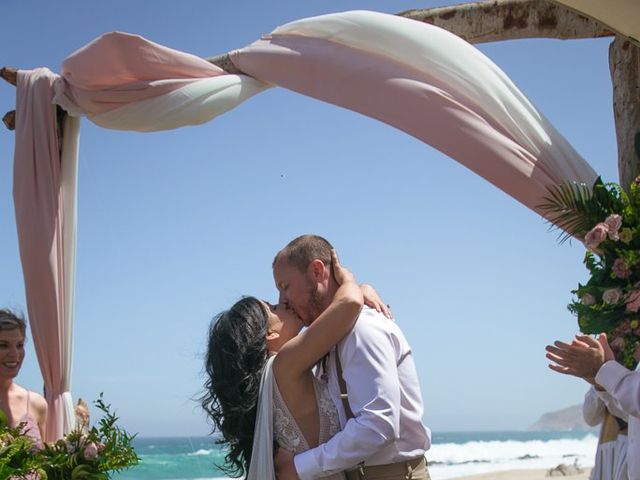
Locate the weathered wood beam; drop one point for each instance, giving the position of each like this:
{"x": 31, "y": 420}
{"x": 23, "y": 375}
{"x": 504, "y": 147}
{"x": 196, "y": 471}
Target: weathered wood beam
{"x": 515, "y": 19}
{"x": 9, "y": 120}
{"x": 624, "y": 64}
{"x": 9, "y": 74}
{"x": 480, "y": 22}
{"x": 224, "y": 62}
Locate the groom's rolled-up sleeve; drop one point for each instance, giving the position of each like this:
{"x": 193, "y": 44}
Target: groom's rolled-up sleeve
{"x": 368, "y": 358}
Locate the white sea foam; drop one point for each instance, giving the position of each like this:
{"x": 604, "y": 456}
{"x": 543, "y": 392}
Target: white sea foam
{"x": 448, "y": 460}
{"x": 201, "y": 452}
{"x": 452, "y": 455}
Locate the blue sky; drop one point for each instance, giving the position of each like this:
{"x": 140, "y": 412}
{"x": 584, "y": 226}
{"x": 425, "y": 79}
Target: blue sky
{"x": 175, "y": 226}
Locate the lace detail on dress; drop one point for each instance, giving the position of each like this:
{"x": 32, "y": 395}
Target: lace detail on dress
{"x": 329, "y": 421}
{"x": 285, "y": 429}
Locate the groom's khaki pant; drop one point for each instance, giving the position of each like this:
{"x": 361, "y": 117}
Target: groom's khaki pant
{"x": 410, "y": 470}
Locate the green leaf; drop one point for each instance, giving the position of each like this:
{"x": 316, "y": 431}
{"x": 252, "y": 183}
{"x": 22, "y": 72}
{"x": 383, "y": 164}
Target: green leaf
{"x": 3, "y": 420}
{"x": 572, "y": 208}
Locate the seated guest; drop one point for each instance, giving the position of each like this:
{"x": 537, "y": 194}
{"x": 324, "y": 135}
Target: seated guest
{"x": 20, "y": 405}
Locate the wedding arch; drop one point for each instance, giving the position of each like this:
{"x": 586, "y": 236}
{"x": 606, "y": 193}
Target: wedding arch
{"x": 414, "y": 76}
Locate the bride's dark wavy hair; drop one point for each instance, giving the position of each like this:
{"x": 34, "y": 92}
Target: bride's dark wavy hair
{"x": 236, "y": 355}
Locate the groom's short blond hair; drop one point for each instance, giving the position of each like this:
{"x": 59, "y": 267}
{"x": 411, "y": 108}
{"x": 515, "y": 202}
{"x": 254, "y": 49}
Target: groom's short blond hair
{"x": 300, "y": 251}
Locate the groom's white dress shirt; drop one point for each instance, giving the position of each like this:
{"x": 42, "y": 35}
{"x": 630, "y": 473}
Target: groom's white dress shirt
{"x": 384, "y": 395}
{"x": 622, "y": 397}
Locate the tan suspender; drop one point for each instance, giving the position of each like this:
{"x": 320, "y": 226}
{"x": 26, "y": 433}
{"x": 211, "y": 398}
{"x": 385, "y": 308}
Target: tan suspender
{"x": 344, "y": 396}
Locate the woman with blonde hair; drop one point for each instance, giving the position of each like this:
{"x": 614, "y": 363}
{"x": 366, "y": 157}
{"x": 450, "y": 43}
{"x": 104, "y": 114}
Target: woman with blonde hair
{"x": 20, "y": 406}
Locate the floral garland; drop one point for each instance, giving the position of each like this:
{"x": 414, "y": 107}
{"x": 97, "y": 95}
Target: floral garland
{"x": 83, "y": 454}
{"x": 607, "y": 220}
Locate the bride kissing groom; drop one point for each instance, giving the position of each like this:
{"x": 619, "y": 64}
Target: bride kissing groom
{"x": 356, "y": 415}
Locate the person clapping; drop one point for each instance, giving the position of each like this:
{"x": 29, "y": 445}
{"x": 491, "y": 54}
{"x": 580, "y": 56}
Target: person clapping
{"x": 618, "y": 387}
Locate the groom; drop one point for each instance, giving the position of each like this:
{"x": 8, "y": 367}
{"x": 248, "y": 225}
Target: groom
{"x": 372, "y": 380}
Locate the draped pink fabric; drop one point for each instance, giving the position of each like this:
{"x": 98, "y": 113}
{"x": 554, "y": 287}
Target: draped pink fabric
{"x": 461, "y": 104}
{"x": 119, "y": 68}
{"x": 419, "y": 104}
{"x": 128, "y": 70}
{"x": 39, "y": 218}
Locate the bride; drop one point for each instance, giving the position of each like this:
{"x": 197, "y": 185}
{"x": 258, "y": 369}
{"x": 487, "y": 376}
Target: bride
{"x": 260, "y": 386}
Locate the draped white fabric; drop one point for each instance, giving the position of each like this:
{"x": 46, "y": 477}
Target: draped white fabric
{"x": 193, "y": 104}
{"x": 434, "y": 86}
{"x": 453, "y": 65}
{"x": 611, "y": 460}
{"x": 261, "y": 466}
{"x": 69, "y": 191}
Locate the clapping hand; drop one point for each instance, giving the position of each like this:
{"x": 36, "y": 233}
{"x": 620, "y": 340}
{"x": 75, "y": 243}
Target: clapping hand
{"x": 583, "y": 358}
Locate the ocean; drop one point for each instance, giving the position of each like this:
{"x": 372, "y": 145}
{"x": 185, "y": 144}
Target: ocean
{"x": 452, "y": 454}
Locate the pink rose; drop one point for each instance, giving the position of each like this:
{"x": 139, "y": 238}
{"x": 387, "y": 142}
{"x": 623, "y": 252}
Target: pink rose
{"x": 613, "y": 295}
{"x": 617, "y": 344}
{"x": 90, "y": 451}
{"x": 632, "y": 300}
{"x": 620, "y": 269}
{"x": 596, "y": 236}
{"x": 613, "y": 223}
{"x": 588, "y": 299}
{"x": 624, "y": 328}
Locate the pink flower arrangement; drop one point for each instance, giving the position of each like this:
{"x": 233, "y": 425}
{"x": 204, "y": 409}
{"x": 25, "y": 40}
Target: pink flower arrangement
{"x": 632, "y": 300}
{"x": 596, "y": 236}
{"x": 613, "y": 223}
{"x": 619, "y": 269}
{"x": 588, "y": 299}
{"x": 607, "y": 218}
{"x": 90, "y": 451}
{"x": 613, "y": 295}
{"x": 80, "y": 454}
{"x": 618, "y": 344}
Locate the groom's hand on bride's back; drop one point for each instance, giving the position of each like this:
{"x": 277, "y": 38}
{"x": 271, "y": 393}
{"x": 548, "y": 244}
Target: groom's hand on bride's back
{"x": 284, "y": 466}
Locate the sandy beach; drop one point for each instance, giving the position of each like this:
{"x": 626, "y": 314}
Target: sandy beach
{"x": 540, "y": 474}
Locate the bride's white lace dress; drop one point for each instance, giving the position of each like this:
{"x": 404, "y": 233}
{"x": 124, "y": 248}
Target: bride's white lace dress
{"x": 286, "y": 430}
{"x": 275, "y": 422}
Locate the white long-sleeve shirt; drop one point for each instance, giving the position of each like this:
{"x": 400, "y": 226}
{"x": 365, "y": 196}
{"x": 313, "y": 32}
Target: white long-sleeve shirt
{"x": 622, "y": 397}
{"x": 593, "y": 408}
{"x": 384, "y": 395}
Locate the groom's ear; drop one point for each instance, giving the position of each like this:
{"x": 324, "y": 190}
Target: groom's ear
{"x": 318, "y": 270}
{"x": 272, "y": 335}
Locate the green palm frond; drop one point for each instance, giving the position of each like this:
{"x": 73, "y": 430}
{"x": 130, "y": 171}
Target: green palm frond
{"x": 576, "y": 207}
